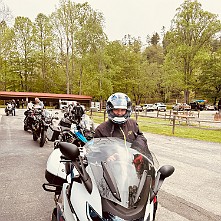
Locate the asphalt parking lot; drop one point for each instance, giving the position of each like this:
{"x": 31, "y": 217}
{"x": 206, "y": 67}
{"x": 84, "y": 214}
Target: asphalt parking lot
{"x": 191, "y": 193}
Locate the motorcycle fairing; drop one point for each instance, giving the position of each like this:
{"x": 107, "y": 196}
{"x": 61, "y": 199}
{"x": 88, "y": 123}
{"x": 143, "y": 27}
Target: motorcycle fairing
{"x": 123, "y": 171}
{"x": 55, "y": 167}
{"x": 63, "y": 206}
{"x": 80, "y": 197}
{"x": 119, "y": 177}
{"x": 137, "y": 212}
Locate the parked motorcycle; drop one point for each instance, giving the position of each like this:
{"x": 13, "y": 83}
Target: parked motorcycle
{"x": 28, "y": 120}
{"x": 68, "y": 131}
{"x": 75, "y": 134}
{"x": 9, "y": 109}
{"x": 41, "y": 122}
{"x": 107, "y": 181}
{"x": 72, "y": 132}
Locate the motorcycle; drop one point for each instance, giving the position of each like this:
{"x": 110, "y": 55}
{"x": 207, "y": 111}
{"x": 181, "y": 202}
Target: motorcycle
{"x": 9, "y": 109}
{"x": 28, "y": 120}
{"x": 76, "y": 133}
{"x": 68, "y": 131}
{"x": 107, "y": 180}
{"x": 71, "y": 133}
{"x": 42, "y": 120}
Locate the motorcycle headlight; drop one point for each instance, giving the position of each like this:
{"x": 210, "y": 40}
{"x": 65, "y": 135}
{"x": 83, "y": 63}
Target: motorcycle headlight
{"x": 92, "y": 215}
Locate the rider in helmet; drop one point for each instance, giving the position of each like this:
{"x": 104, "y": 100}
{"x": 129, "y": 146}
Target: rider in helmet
{"x": 119, "y": 123}
{"x": 38, "y": 103}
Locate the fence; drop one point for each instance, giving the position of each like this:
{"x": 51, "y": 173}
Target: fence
{"x": 177, "y": 118}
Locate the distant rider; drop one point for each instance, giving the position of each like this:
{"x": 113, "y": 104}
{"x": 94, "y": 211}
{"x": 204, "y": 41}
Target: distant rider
{"x": 13, "y": 107}
{"x": 38, "y": 103}
{"x": 78, "y": 112}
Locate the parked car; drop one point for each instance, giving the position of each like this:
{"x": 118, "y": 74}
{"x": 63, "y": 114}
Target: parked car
{"x": 148, "y": 107}
{"x": 181, "y": 107}
{"x": 197, "y": 106}
{"x": 160, "y": 106}
{"x": 210, "y": 107}
{"x": 138, "y": 108}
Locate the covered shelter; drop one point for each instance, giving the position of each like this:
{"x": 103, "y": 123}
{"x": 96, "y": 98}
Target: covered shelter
{"x": 49, "y": 99}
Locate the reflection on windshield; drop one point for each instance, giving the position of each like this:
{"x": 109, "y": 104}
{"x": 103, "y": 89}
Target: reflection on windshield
{"x": 124, "y": 165}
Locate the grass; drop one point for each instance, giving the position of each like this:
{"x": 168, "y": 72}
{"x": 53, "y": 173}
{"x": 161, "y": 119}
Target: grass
{"x": 163, "y": 127}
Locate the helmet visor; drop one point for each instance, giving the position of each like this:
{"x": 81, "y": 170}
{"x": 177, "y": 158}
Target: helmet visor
{"x": 119, "y": 102}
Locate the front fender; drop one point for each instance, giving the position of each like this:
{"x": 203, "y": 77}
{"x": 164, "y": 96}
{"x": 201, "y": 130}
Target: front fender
{"x": 44, "y": 125}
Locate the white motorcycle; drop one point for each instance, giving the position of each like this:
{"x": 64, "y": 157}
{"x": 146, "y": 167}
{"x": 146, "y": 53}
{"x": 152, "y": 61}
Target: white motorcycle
{"x": 107, "y": 181}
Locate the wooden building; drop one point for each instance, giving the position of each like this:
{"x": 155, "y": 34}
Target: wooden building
{"x": 49, "y": 99}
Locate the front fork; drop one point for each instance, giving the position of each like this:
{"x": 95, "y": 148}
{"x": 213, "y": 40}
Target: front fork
{"x": 43, "y": 128}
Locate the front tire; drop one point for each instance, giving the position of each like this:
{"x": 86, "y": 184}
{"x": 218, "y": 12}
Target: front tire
{"x": 25, "y": 128}
{"x": 25, "y": 125}
{"x": 35, "y": 137}
{"x": 42, "y": 138}
{"x": 54, "y": 215}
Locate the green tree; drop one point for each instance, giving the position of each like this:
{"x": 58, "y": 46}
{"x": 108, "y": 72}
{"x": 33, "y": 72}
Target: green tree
{"x": 5, "y": 48}
{"x": 126, "y": 67}
{"x": 154, "y": 54}
{"x": 90, "y": 40}
{"x": 155, "y": 39}
{"x": 209, "y": 82}
{"x": 23, "y": 53}
{"x": 192, "y": 31}
{"x": 44, "y": 51}
{"x": 63, "y": 20}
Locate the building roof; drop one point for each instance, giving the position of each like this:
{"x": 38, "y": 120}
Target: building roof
{"x": 12, "y": 94}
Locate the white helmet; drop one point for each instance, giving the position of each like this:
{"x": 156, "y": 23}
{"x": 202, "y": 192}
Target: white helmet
{"x": 119, "y": 101}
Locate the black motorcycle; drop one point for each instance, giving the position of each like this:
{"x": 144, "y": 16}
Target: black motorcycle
{"x": 40, "y": 125}
{"x": 29, "y": 119}
{"x": 74, "y": 132}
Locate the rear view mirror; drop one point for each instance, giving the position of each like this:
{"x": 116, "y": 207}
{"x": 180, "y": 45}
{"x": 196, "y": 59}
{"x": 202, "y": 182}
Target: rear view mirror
{"x": 164, "y": 172}
{"x": 69, "y": 150}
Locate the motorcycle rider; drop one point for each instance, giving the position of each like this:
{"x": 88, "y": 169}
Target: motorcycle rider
{"x": 119, "y": 123}
{"x": 13, "y": 107}
{"x": 70, "y": 110}
{"x": 38, "y": 103}
{"x": 78, "y": 112}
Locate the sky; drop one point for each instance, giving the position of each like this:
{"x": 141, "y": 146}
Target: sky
{"x": 137, "y": 18}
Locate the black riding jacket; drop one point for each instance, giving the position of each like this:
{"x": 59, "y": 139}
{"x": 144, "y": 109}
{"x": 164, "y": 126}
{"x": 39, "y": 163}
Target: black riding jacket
{"x": 129, "y": 129}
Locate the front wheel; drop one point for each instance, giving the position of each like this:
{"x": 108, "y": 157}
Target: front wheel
{"x": 42, "y": 138}
{"x": 25, "y": 125}
{"x": 54, "y": 215}
{"x": 25, "y": 128}
{"x": 35, "y": 137}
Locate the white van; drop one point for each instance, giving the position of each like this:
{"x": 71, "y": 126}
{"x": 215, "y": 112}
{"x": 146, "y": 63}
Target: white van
{"x": 95, "y": 106}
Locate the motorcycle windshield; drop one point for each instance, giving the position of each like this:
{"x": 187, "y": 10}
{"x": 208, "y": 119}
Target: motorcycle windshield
{"x": 117, "y": 168}
{"x": 86, "y": 123}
